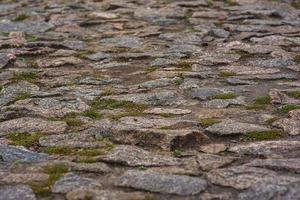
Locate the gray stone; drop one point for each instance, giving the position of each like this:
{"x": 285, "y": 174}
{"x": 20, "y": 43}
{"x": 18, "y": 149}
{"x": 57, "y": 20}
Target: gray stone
{"x": 32, "y": 125}
{"x": 71, "y": 181}
{"x": 239, "y": 177}
{"x": 13, "y": 192}
{"x": 230, "y": 127}
{"x": 155, "y": 182}
{"x": 276, "y": 189}
{"x": 5, "y": 59}
{"x": 208, "y": 162}
{"x": 268, "y": 148}
{"x": 290, "y": 165}
{"x": 123, "y": 41}
{"x": 134, "y": 156}
{"x": 291, "y": 126}
{"x": 12, "y": 154}
{"x": 159, "y": 98}
{"x": 55, "y": 107}
{"x": 28, "y": 27}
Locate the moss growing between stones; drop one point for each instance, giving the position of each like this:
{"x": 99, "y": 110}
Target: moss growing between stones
{"x": 110, "y": 104}
{"x": 31, "y": 38}
{"x": 21, "y": 17}
{"x": 178, "y": 81}
{"x": 73, "y": 122}
{"x": 43, "y": 189}
{"x": 231, "y": 2}
{"x": 86, "y": 159}
{"x": 177, "y": 153}
{"x": 229, "y": 95}
{"x": 226, "y": 74}
{"x": 271, "y": 120}
{"x": 22, "y": 96}
{"x": 24, "y": 139}
{"x": 296, "y": 4}
{"x": 288, "y": 108}
{"x": 57, "y": 150}
{"x": 26, "y": 76}
{"x": 91, "y": 113}
{"x": 294, "y": 94}
{"x": 209, "y": 122}
{"x": 152, "y": 69}
{"x": 265, "y": 135}
{"x": 260, "y": 103}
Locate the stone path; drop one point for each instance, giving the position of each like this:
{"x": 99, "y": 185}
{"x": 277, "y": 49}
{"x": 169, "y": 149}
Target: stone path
{"x": 150, "y": 99}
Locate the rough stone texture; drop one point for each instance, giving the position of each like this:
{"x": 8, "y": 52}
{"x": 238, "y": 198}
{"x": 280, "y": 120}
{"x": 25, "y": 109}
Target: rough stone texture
{"x": 154, "y": 182}
{"x": 134, "y": 156}
{"x": 179, "y": 90}
{"x": 268, "y": 148}
{"x": 12, "y": 192}
{"x": 12, "y": 154}
{"x": 32, "y": 125}
{"x": 230, "y": 127}
{"x": 71, "y": 181}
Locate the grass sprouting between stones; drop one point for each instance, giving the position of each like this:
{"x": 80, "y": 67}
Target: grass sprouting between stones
{"x": 288, "y": 108}
{"x": 226, "y": 74}
{"x": 43, "y": 189}
{"x": 228, "y": 95}
{"x": 264, "y": 135}
{"x": 260, "y": 103}
{"x": 209, "y": 122}
{"x": 26, "y": 76}
{"x": 130, "y": 108}
{"x": 294, "y": 94}
{"x": 24, "y": 139}
{"x": 21, "y": 17}
{"x": 22, "y": 96}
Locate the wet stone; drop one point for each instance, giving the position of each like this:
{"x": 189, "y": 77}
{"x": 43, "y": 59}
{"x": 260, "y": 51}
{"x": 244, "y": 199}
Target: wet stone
{"x": 155, "y": 182}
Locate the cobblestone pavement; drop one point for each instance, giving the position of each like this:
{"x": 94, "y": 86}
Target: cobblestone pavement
{"x": 149, "y": 99}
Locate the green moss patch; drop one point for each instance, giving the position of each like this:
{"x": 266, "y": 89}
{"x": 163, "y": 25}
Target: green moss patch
{"x": 22, "y": 96}
{"x": 265, "y": 135}
{"x": 21, "y": 17}
{"x": 226, "y": 74}
{"x": 288, "y": 108}
{"x": 24, "y": 139}
{"x": 260, "y": 103}
{"x": 229, "y": 95}
{"x": 209, "y": 122}
{"x": 43, "y": 189}
{"x": 294, "y": 94}
{"x": 26, "y": 76}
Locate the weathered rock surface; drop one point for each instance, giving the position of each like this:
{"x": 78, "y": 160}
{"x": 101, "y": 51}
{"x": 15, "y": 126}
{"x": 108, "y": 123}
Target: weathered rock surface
{"x": 154, "y": 182}
{"x": 32, "y": 125}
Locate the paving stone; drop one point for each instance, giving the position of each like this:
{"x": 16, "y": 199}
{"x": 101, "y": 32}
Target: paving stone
{"x": 71, "y": 181}
{"x": 134, "y": 156}
{"x": 12, "y": 154}
{"x": 268, "y": 148}
{"x": 230, "y": 127}
{"x": 154, "y": 182}
{"x": 12, "y": 192}
{"x": 32, "y": 125}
